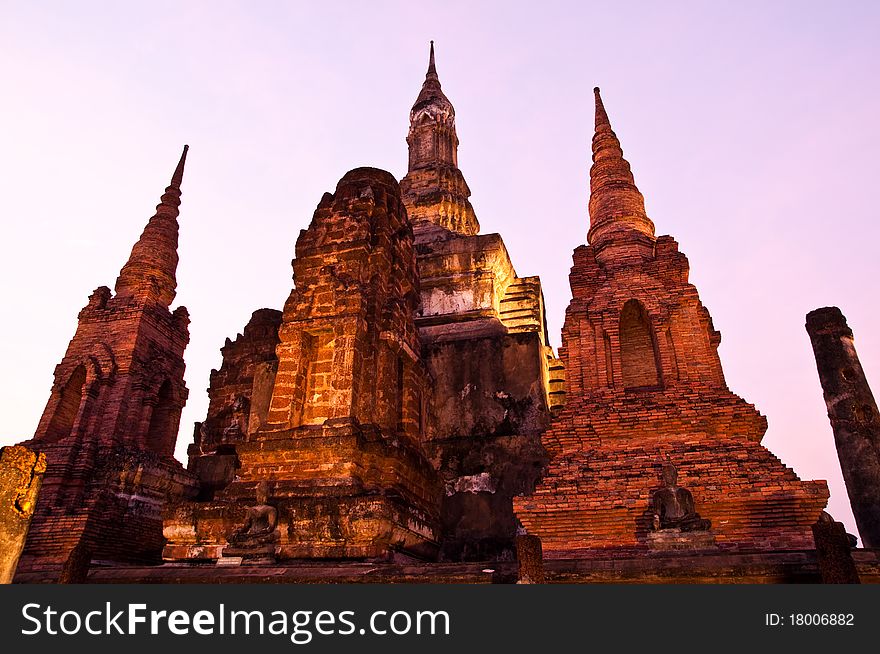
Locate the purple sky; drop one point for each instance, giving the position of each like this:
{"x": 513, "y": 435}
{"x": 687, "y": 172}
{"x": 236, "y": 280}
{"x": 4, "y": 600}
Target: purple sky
{"x": 752, "y": 130}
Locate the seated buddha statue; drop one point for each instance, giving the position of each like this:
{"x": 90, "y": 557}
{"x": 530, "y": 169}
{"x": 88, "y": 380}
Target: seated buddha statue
{"x": 261, "y": 522}
{"x": 673, "y": 506}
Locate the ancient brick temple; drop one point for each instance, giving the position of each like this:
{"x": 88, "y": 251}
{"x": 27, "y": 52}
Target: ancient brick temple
{"x": 111, "y": 422}
{"x": 403, "y": 418}
{"x": 396, "y": 407}
{"x": 645, "y": 388}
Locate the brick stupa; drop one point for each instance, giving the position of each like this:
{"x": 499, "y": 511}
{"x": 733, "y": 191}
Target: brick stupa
{"x": 110, "y": 425}
{"x": 644, "y": 386}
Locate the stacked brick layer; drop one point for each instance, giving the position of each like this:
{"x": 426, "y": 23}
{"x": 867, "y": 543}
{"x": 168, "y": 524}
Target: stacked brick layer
{"x": 600, "y": 496}
{"x": 342, "y": 491}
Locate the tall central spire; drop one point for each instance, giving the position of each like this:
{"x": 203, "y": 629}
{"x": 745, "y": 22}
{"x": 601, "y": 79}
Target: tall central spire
{"x": 434, "y": 189}
{"x": 432, "y": 69}
{"x": 150, "y": 272}
{"x": 619, "y": 225}
{"x": 434, "y": 108}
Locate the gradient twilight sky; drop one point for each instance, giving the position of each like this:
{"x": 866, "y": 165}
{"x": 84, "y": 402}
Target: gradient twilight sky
{"x": 751, "y": 127}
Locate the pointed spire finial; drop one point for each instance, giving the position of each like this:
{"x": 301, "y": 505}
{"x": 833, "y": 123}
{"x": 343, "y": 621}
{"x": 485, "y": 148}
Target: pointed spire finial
{"x": 601, "y": 115}
{"x": 177, "y": 177}
{"x": 432, "y": 92}
{"x": 150, "y": 271}
{"x": 432, "y": 68}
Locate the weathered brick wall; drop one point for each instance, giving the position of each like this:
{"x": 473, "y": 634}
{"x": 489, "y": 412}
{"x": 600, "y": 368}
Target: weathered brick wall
{"x": 599, "y": 497}
{"x": 348, "y": 345}
{"x": 610, "y": 439}
{"x": 131, "y": 402}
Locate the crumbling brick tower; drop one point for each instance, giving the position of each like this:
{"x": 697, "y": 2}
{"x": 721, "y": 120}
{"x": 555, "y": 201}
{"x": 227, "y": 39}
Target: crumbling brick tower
{"x": 484, "y": 341}
{"x": 340, "y": 444}
{"x": 644, "y": 385}
{"x": 110, "y": 425}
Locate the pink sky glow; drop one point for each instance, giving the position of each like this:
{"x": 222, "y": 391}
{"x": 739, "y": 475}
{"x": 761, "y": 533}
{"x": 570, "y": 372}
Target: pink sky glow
{"x": 751, "y": 127}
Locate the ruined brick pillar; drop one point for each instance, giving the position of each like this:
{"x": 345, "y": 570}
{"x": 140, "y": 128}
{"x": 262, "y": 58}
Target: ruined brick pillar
{"x": 21, "y": 474}
{"x": 341, "y": 445}
{"x": 834, "y": 552}
{"x": 644, "y": 387}
{"x": 530, "y": 559}
{"x": 853, "y": 415}
{"x": 110, "y": 425}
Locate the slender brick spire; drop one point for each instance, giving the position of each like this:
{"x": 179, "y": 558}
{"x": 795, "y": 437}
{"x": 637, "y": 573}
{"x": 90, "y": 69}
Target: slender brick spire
{"x": 618, "y": 222}
{"x": 150, "y": 272}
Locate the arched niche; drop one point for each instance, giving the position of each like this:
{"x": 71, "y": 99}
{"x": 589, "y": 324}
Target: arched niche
{"x": 70, "y": 399}
{"x": 638, "y": 349}
{"x": 162, "y": 420}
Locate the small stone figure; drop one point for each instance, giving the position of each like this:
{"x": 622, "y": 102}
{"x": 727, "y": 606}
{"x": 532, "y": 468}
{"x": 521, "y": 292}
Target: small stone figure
{"x": 238, "y": 424}
{"x": 260, "y": 526}
{"x": 673, "y": 506}
{"x": 233, "y": 433}
{"x": 201, "y": 437}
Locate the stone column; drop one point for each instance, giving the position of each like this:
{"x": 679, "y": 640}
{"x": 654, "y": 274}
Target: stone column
{"x": 853, "y": 414}
{"x": 21, "y": 474}
{"x": 834, "y": 552}
{"x": 76, "y": 569}
{"x": 530, "y": 557}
